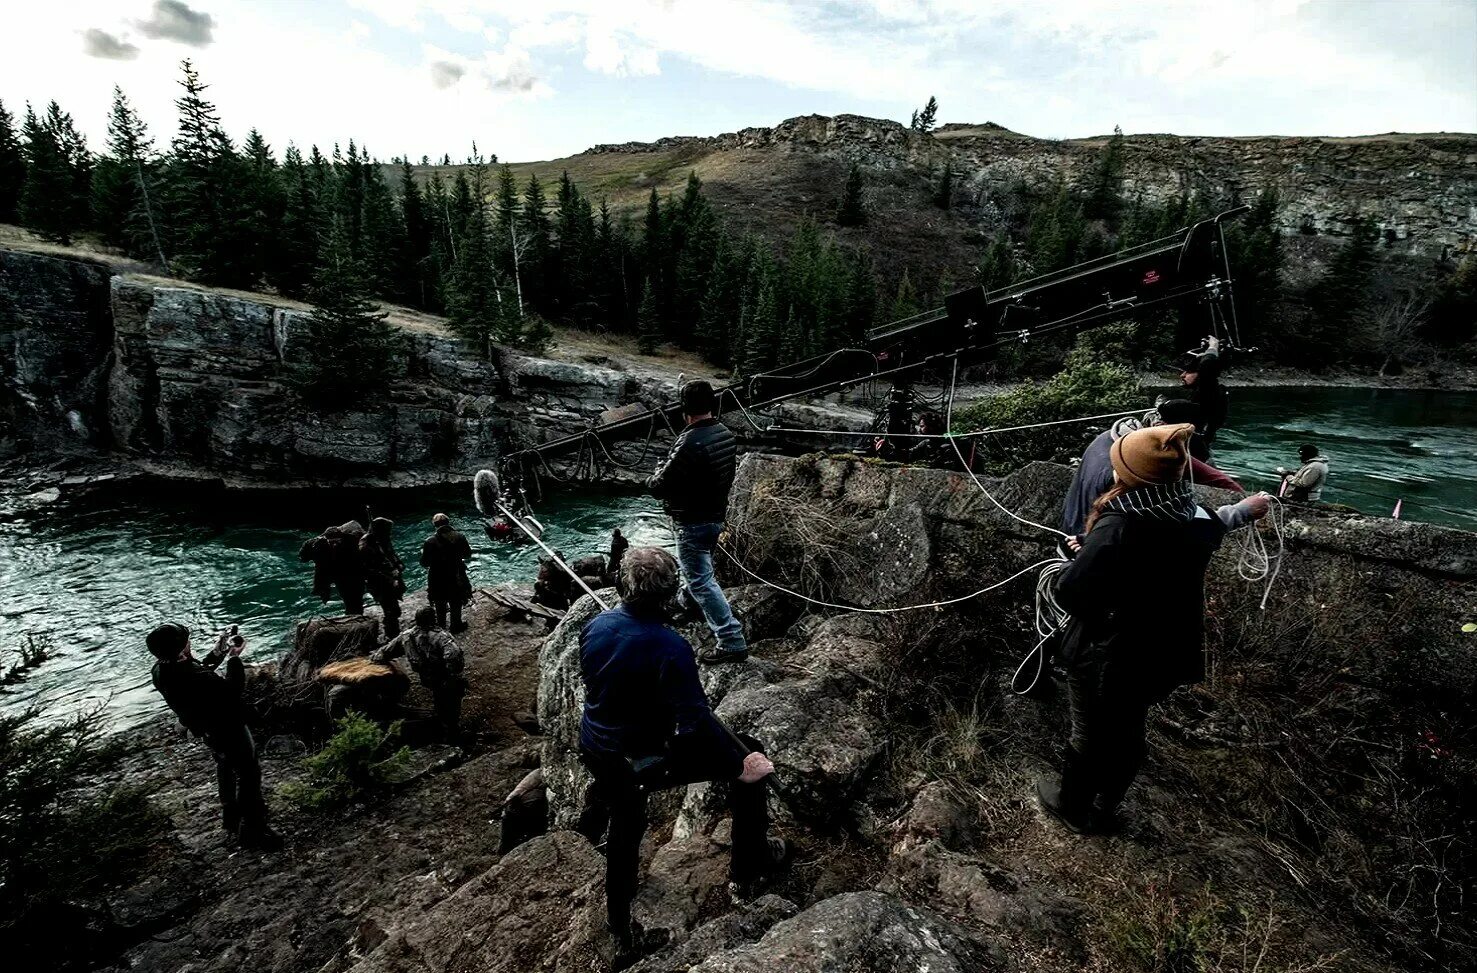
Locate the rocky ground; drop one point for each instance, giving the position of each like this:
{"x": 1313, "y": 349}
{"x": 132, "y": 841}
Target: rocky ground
{"x": 1309, "y": 807}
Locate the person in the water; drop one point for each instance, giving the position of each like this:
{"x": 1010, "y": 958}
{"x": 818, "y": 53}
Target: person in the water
{"x": 210, "y": 707}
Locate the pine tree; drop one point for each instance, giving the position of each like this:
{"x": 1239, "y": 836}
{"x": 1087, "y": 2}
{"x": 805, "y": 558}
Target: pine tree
{"x": 293, "y": 267}
{"x": 905, "y": 303}
{"x": 205, "y": 193}
{"x": 923, "y": 121}
{"x": 943, "y": 196}
{"x": 538, "y": 258}
{"x": 852, "y": 212}
{"x": 12, "y": 168}
{"x": 1105, "y": 199}
{"x": 698, "y": 250}
{"x": 761, "y": 339}
{"x": 656, "y": 258}
{"x": 54, "y": 198}
{"x": 720, "y": 305}
{"x": 997, "y": 269}
{"x": 122, "y": 184}
{"x": 382, "y": 235}
{"x": 473, "y": 299}
{"x": 861, "y": 302}
{"x": 1254, "y": 251}
{"x": 414, "y": 283}
{"x": 648, "y": 322}
{"x": 264, "y": 204}
{"x": 1056, "y": 231}
{"x": 349, "y": 352}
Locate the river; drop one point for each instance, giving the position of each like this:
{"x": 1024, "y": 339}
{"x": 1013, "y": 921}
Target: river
{"x": 92, "y": 580}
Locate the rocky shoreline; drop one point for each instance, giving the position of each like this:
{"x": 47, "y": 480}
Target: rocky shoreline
{"x": 903, "y": 775}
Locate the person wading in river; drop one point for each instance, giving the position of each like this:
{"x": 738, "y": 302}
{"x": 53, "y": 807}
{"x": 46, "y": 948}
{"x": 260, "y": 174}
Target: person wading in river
{"x": 210, "y": 707}
{"x": 1135, "y": 592}
{"x": 1306, "y": 485}
{"x": 444, "y": 555}
{"x": 693, "y": 484}
{"x": 647, "y": 726}
{"x": 383, "y": 571}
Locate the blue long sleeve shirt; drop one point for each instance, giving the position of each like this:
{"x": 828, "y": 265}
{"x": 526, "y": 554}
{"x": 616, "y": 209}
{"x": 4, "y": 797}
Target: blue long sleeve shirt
{"x": 642, "y": 693}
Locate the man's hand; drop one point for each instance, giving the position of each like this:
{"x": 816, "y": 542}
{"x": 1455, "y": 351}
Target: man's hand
{"x": 1259, "y": 504}
{"x": 756, "y": 768}
{"x": 1075, "y": 543}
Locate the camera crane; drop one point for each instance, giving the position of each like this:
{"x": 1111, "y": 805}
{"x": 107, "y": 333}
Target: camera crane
{"x": 1188, "y": 270}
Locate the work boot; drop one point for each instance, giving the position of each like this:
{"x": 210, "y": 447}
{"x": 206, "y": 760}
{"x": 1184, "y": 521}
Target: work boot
{"x": 231, "y": 821}
{"x": 1062, "y": 803}
{"x": 1104, "y": 819}
{"x": 781, "y": 852}
{"x": 718, "y": 656}
{"x": 627, "y": 948}
{"x": 261, "y": 838}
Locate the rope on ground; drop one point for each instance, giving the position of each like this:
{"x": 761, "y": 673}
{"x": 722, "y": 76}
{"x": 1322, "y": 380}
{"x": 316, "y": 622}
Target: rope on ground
{"x": 876, "y": 611}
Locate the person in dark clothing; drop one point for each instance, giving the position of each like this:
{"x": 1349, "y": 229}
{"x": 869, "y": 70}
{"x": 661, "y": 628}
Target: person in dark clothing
{"x": 209, "y": 706}
{"x": 1200, "y": 374}
{"x": 1125, "y": 650}
{"x": 693, "y": 484}
{"x": 335, "y": 557}
{"x": 1094, "y": 475}
{"x": 384, "y": 572}
{"x": 444, "y": 555}
{"x": 437, "y": 658}
{"x": 647, "y": 726}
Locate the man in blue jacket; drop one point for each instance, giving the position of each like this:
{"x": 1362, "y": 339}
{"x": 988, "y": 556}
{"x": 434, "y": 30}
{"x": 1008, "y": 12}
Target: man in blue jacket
{"x": 647, "y": 726}
{"x": 693, "y": 484}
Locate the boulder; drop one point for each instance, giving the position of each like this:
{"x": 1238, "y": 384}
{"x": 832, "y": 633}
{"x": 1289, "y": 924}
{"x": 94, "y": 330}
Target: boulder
{"x": 859, "y": 932}
{"x": 735, "y": 928}
{"x": 561, "y": 699}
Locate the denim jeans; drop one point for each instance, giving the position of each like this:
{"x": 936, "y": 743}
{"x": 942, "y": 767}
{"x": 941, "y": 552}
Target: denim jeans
{"x": 695, "y": 545}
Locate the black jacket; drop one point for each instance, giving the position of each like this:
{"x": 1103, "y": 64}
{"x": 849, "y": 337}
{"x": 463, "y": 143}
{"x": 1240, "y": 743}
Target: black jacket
{"x": 205, "y": 702}
{"x": 444, "y": 555}
{"x": 1136, "y": 596}
{"x": 694, "y": 480}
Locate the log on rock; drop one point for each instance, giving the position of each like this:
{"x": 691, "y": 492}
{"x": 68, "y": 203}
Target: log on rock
{"x": 319, "y": 641}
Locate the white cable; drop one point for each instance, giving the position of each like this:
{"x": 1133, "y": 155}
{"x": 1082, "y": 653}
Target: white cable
{"x": 1256, "y": 562}
{"x": 878, "y": 611}
{"x": 989, "y": 431}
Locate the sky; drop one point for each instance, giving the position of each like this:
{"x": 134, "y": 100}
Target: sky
{"x": 530, "y": 80}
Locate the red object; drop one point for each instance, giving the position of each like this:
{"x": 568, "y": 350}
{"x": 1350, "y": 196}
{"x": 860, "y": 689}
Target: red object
{"x": 1207, "y": 475}
{"x": 1152, "y": 277}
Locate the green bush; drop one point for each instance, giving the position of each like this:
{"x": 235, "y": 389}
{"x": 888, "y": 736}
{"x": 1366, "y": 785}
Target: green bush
{"x": 359, "y": 759}
{"x": 1084, "y": 387}
{"x": 63, "y": 843}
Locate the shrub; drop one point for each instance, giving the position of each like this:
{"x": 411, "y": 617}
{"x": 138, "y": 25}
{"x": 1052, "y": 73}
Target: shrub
{"x": 1084, "y": 387}
{"x": 63, "y": 844}
{"x": 359, "y": 759}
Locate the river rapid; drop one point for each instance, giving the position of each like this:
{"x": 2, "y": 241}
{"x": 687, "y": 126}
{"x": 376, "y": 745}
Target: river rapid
{"x": 91, "y": 580}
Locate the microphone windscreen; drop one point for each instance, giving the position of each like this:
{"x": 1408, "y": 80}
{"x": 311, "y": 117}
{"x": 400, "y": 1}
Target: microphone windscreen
{"x": 485, "y": 491}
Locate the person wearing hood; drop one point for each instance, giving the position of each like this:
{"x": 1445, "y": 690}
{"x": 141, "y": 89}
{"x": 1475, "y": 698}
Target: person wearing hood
{"x": 335, "y": 557}
{"x": 1306, "y": 485}
{"x": 444, "y": 555}
{"x": 1135, "y": 594}
{"x": 384, "y": 572}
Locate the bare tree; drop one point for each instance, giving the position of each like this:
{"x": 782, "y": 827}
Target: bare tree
{"x": 1395, "y": 327}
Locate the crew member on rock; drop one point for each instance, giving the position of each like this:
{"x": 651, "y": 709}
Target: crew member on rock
{"x": 1135, "y": 592}
{"x": 210, "y": 707}
{"x": 1200, "y": 374}
{"x": 335, "y": 557}
{"x": 383, "y": 571}
{"x": 647, "y": 726}
{"x": 693, "y": 484}
{"x": 437, "y": 658}
{"x": 444, "y": 555}
{"x": 1306, "y": 485}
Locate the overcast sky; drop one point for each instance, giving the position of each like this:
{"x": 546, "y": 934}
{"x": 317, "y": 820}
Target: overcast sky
{"x": 537, "y": 80}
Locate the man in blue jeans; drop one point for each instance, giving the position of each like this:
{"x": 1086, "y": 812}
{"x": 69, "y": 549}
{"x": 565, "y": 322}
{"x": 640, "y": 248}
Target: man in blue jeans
{"x": 693, "y": 484}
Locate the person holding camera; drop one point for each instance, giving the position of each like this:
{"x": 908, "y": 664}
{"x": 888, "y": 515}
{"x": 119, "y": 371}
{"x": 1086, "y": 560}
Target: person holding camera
{"x": 209, "y": 706}
{"x": 647, "y": 726}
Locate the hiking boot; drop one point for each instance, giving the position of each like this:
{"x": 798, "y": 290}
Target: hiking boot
{"x": 231, "y": 822}
{"x": 1102, "y": 819}
{"x": 781, "y": 852}
{"x": 1069, "y": 813}
{"x": 627, "y": 950}
{"x": 714, "y": 657}
{"x": 260, "y": 839}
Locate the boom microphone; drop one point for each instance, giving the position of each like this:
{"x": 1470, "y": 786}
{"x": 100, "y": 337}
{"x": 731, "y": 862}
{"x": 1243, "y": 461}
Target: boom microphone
{"x": 486, "y": 492}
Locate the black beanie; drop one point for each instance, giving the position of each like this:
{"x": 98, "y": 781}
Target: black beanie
{"x": 168, "y": 641}
{"x": 1175, "y": 411}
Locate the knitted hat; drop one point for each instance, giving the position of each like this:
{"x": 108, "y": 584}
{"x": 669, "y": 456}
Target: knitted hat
{"x": 168, "y": 641}
{"x": 1158, "y": 454}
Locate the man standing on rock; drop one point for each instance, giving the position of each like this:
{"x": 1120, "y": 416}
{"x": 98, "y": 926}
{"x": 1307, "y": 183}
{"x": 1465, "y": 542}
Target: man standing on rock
{"x": 210, "y": 708}
{"x": 1306, "y": 485}
{"x": 693, "y": 484}
{"x": 437, "y": 658}
{"x": 383, "y": 571}
{"x": 647, "y": 726}
{"x": 444, "y": 555}
{"x": 335, "y": 557}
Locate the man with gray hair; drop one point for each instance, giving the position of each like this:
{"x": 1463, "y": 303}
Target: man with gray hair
{"x": 647, "y": 726}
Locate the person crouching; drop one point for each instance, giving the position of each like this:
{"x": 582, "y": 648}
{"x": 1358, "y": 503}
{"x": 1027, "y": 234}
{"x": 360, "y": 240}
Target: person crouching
{"x": 437, "y": 658}
{"x": 647, "y": 726}
{"x": 1125, "y": 650}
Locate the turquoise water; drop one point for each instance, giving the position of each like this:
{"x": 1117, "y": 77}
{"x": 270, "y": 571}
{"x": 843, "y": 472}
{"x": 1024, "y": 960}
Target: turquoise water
{"x": 92, "y": 580}
{"x": 1383, "y": 445}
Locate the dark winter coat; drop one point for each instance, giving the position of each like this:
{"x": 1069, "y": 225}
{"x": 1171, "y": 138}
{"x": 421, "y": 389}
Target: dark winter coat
{"x": 1136, "y": 597}
{"x": 694, "y": 480}
{"x": 444, "y": 555}
{"x": 383, "y": 569}
{"x": 335, "y": 560}
{"x": 206, "y": 703}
